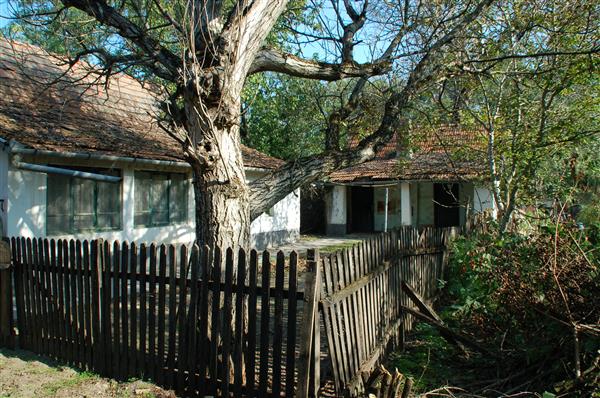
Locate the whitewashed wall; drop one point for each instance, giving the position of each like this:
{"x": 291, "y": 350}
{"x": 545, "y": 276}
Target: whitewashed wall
{"x": 483, "y": 200}
{"x": 26, "y": 213}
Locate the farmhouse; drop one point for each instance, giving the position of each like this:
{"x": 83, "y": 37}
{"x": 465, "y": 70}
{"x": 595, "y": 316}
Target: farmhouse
{"x": 82, "y": 157}
{"x": 438, "y": 181}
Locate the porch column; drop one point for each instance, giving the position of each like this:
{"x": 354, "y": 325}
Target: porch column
{"x": 128, "y": 202}
{"x": 405, "y": 208}
{"x": 337, "y": 211}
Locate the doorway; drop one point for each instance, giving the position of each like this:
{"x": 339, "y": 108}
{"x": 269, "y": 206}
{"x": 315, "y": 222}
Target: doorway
{"x": 361, "y": 209}
{"x": 446, "y": 206}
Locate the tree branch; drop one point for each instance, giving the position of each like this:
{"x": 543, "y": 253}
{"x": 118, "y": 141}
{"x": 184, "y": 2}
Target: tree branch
{"x": 272, "y": 60}
{"x": 108, "y": 16}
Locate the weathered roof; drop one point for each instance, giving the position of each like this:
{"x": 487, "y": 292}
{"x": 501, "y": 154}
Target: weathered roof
{"x": 44, "y": 106}
{"x": 447, "y": 153}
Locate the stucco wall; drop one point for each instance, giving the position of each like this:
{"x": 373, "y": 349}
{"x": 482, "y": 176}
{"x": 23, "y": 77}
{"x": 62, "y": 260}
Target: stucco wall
{"x": 26, "y": 193}
{"x": 336, "y": 210}
{"x": 483, "y": 200}
{"x": 425, "y": 203}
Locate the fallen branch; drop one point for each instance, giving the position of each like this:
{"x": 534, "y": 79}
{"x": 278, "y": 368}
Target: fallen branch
{"x": 430, "y": 312}
{"x": 455, "y": 335}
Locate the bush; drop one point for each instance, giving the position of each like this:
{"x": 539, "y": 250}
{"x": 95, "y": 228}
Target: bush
{"x": 527, "y": 293}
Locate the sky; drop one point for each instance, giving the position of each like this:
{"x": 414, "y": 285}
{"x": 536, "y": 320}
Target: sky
{"x": 3, "y": 13}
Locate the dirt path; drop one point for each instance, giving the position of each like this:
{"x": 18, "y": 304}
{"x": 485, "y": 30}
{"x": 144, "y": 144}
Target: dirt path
{"x": 26, "y": 375}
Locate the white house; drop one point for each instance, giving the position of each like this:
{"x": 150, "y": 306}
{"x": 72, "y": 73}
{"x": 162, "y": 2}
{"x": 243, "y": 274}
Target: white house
{"x": 438, "y": 182}
{"x": 82, "y": 160}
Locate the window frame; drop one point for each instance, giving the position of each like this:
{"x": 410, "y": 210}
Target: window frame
{"x": 71, "y": 230}
{"x": 151, "y": 223}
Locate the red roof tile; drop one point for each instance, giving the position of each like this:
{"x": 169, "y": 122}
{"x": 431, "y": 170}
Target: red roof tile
{"x": 46, "y": 107}
{"x": 444, "y": 154}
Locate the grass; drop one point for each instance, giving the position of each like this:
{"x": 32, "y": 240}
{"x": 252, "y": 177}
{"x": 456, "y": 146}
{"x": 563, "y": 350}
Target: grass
{"x": 25, "y": 375}
{"x": 52, "y": 388}
{"x": 432, "y": 362}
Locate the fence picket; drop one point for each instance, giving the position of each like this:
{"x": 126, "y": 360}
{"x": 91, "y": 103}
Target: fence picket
{"x": 278, "y": 323}
{"x": 264, "y": 324}
{"x": 161, "y": 312}
{"x": 252, "y": 319}
{"x": 238, "y": 348}
{"x": 124, "y": 351}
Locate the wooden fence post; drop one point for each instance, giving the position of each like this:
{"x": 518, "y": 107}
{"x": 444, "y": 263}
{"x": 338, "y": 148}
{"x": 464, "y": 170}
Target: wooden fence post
{"x": 6, "y": 297}
{"x": 98, "y": 350}
{"x": 309, "y": 353}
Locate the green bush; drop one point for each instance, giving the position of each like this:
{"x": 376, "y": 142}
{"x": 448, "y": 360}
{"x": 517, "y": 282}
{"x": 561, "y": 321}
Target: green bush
{"x": 523, "y": 293}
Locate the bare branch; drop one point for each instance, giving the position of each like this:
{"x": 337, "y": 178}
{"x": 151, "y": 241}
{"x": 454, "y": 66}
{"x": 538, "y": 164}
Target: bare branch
{"x": 107, "y": 15}
{"x": 272, "y": 60}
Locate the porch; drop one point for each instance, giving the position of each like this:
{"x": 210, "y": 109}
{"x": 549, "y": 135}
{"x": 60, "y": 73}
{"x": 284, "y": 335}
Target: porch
{"x": 383, "y": 205}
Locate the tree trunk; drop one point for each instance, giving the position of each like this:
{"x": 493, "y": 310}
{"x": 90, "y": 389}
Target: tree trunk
{"x": 220, "y": 188}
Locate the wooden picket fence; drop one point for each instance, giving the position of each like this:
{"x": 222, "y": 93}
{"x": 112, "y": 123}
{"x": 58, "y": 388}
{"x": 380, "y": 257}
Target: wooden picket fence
{"x": 174, "y": 316}
{"x": 361, "y": 297}
{"x": 218, "y": 323}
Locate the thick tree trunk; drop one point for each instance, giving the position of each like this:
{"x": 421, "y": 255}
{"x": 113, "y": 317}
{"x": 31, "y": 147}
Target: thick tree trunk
{"x": 220, "y": 188}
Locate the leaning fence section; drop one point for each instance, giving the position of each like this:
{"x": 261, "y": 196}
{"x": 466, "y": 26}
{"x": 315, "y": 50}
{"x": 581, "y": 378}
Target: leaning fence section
{"x": 362, "y": 298}
{"x": 202, "y": 322}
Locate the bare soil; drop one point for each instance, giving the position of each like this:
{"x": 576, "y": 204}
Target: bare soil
{"x": 23, "y": 374}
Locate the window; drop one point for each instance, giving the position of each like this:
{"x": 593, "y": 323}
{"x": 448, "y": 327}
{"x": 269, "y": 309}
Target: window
{"x": 160, "y": 198}
{"x": 76, "y": 205}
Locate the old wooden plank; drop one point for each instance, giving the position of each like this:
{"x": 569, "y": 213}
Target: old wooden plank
{"x": 172, "y": 354}
{"x": 98, "y": 344}
{"x": 238, "y": 349}
{"x": 80, "y": 303}
{"x": 225, "y": 373}
{"x": 105, "y": 299}
{"x": 192, "y": 319}
{"x": 18, "y": 275}
{"x": 182, "y": 349}
{"x": 134, "y": 364}
{"x": 87, "y": 302}
{"x": 161, "y": 311}
{"x": 331, "y": 323}
{"x": 264, "y": 325}
{"x": 151, "y": 357}
{"x": 142, "y": 360}
{"x": 215, "y": 315}
{"x": 203, "y": 314}
{"x": 116, "y": 300}
{"x": 278, "y": 323}
{"x": 37, "y": 297}
{"x": 292, "y": 325}
{"x": 124, "y": 351}
{"x": 310, "y": 316}
{"x": 252, "y": 319}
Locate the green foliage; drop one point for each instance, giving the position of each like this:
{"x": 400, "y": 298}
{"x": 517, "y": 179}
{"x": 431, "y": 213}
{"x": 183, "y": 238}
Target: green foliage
{"x": 282, "y": 116}
{"x": 523, "y": 293}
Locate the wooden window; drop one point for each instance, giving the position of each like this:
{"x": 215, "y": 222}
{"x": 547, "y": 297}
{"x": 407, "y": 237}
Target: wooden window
{"x": 160, "y": 198}
{"x": 78, "y": 205}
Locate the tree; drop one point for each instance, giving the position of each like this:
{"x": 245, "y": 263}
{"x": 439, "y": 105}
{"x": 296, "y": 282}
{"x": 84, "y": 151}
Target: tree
{"x": 532, "y": 110}
{"x": 202, "y": 52}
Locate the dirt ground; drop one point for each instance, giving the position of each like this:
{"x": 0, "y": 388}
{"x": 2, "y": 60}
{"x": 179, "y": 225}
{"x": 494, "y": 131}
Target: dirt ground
{"x": 23, "y": 374}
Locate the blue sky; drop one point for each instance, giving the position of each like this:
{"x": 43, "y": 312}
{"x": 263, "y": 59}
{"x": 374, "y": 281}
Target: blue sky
{"x": 3, "y": 13}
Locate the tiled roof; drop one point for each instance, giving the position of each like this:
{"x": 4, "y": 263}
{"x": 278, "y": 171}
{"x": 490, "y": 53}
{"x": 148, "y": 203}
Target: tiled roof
{"x": 44, "y": 107}
{"x": 444, "y": 154}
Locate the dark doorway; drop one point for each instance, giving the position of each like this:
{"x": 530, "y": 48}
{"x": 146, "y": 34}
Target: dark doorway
{"x": 446, "y": 206}
{"x": 361, "y": 210}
